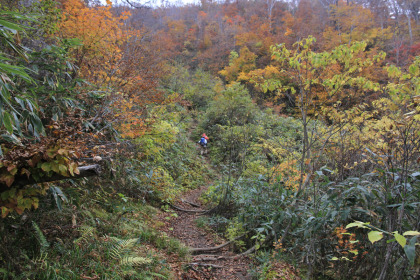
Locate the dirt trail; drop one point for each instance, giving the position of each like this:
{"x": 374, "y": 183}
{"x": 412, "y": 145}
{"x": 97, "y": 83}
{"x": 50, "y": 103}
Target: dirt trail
{"x": 220, "y": 264}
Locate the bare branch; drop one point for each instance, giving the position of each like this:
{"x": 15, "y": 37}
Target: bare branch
{"x": 137, "y": 5}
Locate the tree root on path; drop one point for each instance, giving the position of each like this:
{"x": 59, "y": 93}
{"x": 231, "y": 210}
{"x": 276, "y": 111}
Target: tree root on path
{"x": 205, "y": 264}
{"x": 187, "y": 210}
{"x": 211, "y": 249}
{"x": 201, "y": 212}
{"x": 209, "y": 257}
{"x": 191, "y": 203}
{"x": 247, "y": 252}
{"x": 221, "y": 257}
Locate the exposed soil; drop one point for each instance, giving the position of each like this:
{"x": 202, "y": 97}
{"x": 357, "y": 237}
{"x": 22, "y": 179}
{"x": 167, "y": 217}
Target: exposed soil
{"x": 220, "y": 264}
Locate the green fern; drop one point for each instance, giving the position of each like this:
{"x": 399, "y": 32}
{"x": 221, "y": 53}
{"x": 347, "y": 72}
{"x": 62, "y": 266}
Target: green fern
{"x": 135, "y": 261}
{"x": 121, "y": 247}
{"x": 42, "y": 241}
{"x": 86, "y": 232}
{"x": 121, "y": 250}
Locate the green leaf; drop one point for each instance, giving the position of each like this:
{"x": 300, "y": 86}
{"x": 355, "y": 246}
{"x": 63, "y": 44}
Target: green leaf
{"x": 59, "y": 196}
{"x": 46, "y": 166}
{"x": 411, "y": 232}
{"x": 357, "y": 224}
{"x": 55, "y": 167}
{"x": 15, "y": 70}
{"x": 7, "y": 122}
{"x": 11, "y": 139}
{"x": 400, "y": 239}
{"x": 11, "y": 26}
{"x": 410, "y": 252}
{"x": 375, "y": 236}
{"x": 36, "y": 122}
{"x": 63, "y": 170}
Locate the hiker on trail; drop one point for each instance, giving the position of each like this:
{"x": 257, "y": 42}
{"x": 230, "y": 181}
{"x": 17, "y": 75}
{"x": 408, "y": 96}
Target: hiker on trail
{"x": 203, "y": 143}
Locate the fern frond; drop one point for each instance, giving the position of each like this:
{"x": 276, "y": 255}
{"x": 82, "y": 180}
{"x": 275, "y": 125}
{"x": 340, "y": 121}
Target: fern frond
{"x": 135, "y": 261}
{"x": 120, "y": 247}
{"x": 129, "y": 243}
{"x": 42, "y": 241}
{"x": 86, "y": 232}
{"x": 115, "y": 252}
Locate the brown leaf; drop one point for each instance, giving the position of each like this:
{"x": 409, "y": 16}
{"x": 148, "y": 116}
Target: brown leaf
{"x": 7, "y": 179}
{"x": 25, "y": 171}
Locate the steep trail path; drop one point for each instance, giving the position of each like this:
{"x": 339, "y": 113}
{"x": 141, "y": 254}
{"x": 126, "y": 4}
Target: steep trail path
{"x": 218, "y": 264}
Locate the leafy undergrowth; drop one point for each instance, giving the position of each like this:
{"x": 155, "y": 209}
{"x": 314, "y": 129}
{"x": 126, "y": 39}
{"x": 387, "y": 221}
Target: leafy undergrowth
{"x": 105, "y": 228}
{"x": 276, "y": 269}
{"x": 91, "y": 243}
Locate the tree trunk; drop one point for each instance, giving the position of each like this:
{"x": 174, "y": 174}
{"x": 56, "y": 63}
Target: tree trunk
{"x": 21, "y": 181}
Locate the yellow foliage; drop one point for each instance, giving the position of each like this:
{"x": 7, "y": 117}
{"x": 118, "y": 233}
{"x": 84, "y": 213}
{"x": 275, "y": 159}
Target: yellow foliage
{"x": 355, "y": 23}
{"x": 243, "y": 77}
{"x": 239, "y": 66}
{"x": 271, "y": 71}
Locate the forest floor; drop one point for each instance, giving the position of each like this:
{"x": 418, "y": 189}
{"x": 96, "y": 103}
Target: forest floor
{"x": 219, "y": 264}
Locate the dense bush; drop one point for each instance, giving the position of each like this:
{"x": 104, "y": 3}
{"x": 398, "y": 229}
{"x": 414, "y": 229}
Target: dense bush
{"x": 260, "y": 158}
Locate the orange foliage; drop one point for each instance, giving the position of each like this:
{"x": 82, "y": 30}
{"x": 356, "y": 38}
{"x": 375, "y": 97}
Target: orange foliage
{"x": 354, "y": 23}
{"x": 202, "y": 14}
{"x": 112, "y": 58}
{"x": 100, "y": 33}
{"x": 306, "y": 21}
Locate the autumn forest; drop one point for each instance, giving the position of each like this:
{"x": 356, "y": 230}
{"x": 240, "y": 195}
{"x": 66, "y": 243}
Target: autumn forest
{"x": 312, "y": 166}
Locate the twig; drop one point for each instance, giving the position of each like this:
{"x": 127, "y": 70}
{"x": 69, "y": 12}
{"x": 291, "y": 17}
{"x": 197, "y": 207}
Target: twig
{"x": 142, "y": 6}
